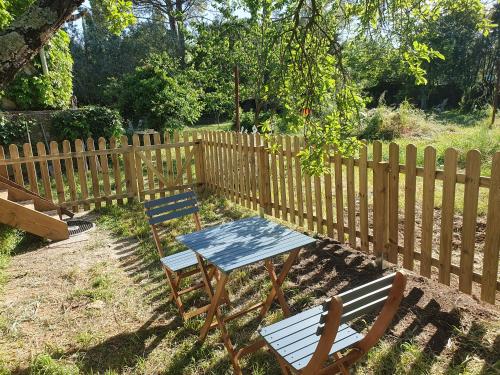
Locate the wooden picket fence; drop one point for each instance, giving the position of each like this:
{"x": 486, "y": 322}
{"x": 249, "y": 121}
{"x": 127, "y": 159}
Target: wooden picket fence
{"x": 408, "y": 213}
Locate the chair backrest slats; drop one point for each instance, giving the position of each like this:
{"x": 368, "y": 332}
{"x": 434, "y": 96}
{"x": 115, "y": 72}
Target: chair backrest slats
{"x": 172, "y": 198}
{"x": 370, "y": 306}
{"x": 171, "y": 207}
{"x": 173, "y": 215}
{"x": 367, "y": 288}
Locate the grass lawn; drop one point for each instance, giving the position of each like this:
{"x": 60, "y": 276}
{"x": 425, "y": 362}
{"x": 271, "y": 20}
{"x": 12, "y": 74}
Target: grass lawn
{"x": 98, "y": 305}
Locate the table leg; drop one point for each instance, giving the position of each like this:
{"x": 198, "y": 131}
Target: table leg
{"x": 214, "y": 311}
{"x": 278, "y": 282}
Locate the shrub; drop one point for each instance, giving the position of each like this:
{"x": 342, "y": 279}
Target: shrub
{"x": 92, "y": 121}
{"x": 44, "y": 91}
{"x": 44, "y": 364}
{"x": 14, "y": 130}
{"x": 385, "y": 123}
{"x": 160, "y": 94}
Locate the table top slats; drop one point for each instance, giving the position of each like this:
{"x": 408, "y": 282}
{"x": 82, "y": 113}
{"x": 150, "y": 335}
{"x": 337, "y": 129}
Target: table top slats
{"x": 244, "y": 242}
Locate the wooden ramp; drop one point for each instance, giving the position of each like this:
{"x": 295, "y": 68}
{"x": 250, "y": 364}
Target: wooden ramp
{"x": 26, "y": 210}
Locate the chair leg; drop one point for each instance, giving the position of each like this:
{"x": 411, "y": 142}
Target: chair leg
{"x": 283, "y": 366}
{"x": 341, "y": 366}
{"x": 174, "y": 285}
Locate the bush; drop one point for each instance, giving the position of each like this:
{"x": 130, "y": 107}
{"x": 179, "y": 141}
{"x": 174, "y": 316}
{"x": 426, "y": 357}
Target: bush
{"x": 92, "y": 121}
{"x": 385, "y": 123}
{"x": 14, "y": 130}
{"x": 160, "y": 94}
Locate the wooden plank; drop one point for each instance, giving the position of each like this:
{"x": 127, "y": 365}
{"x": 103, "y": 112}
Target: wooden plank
{"x": 139, "y": 173}
{"x": 93, "y": 172}
{"x": 223, "y": 163}
{"x": 447, "y": 214}
{"x": 248, "y": 188}
{"x": 282, "y": 178}
{"x": 410, "y": 197}
{"x": 3, "y": 168}
{"x": 363, "y": 197}
{"x": 339, "y": 198}
{"x": 82, "y": 173}
{"x": 472, "y": 173}
{"x": 492, "y": 238}
{"x": 211, "y": 160}
{"x": 70, "y": 174}
{"x": 44, "y": 171}
{"x": 298, "y": 178}
{"x": 309, "y": 203}
{"x": 393, "y": 201}
{"x": 379, "y": 218}
{"x": 56, "y": 165}
{"x": 18, "y": 172}
{"x": 147, "y": 154}
{"x": 230, "y": 177}
{"x": 103, "y": 158}
{"x": 351, "y": 203}
{"x": 217, "y": 166}
{"x": 241, "y": 172}
{"x": 189, "y": 167}
{"x": 289, "y": 169}
{"x": 179, "y": 176}
{"x": 329, "y": 202}
{"x": 129, "y": 167}
{"x": 253, "y": 179}
{"x": 318, "y": 203}
{"x": 168, "y": 153}
{"x": 274, "y": 175}
{"x": 30, "y": 167}
{"x": 428, "y": 211}
{"x": 116, "y": 169}
{"x": 159, "y": 160}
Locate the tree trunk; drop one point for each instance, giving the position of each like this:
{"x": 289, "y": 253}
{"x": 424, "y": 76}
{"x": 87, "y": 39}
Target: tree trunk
{"x": 24, "y": 38}
{"x": 181, "y": 40}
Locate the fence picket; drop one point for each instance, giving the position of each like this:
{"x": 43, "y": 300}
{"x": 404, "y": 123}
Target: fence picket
{"x": 351, "y": 202}
{"x": 93, "y": 173}
{"x": 159, "y": 162}
{"x": 17, "y": 167}
{"x": 318, "y": 203}
{"x": 189, "y": 166}
{"x": 309, "y": 204}
{"x": 254, "y": 178}
{"x": 363, "y": 197}
{"x": 410, "y": 198}
{"x": 282, "y": 180}
{"x": 82, "y": 173}
{"x": 30, "y": 167}
{"x": 178, "y": 161}
{"x": 492, "y": 239}
{"x": 70, "y": 174}
{"x": 56, "y": 165}
{"x": 298, "y": 178}
{"x": 44, "y": 171}
{"x": 329, "y": 202}
{"x": 146, "y": 141}
{"x": 246, "y": 161}
{"x": 393, "y": 201}
{"x": 339, "y": 198}
{"x": 3, "y": 168}
{"x": 472, "y": 174}
{"x": 274, "y": 175}
{"x": 103, "y": 159}
{"x": 289, "y": 171}
{"x": 447, "y": 213}
{"x": 428, "y": 211}
{"x": 170, "y": 163}
{"x": 116, "y": 169}
{"x": 136, "y": 142}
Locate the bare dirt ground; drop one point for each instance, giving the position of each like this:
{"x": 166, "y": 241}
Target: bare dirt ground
{"x": 92, "y": 301}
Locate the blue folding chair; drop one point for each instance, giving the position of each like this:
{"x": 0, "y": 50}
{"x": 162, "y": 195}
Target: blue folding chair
{"x": 312, "y": 341}
{"x": 183, "y": 264}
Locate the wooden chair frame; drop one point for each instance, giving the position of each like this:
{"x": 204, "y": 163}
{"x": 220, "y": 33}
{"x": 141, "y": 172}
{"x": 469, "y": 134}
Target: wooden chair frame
{"x": 321, "y": 361}
{"x": 175, "y": 278}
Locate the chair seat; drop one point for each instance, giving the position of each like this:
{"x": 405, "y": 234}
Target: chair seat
{"x": 180, "y": 261}
{"x": 295, "y": 338}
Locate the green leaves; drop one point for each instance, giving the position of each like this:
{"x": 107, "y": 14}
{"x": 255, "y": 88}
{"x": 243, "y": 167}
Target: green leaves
{"x": 414, "y": 58}
{"x": 118, "y": 15}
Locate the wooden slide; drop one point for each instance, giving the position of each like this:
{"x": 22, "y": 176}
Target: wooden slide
{"x": 26, "y": 210}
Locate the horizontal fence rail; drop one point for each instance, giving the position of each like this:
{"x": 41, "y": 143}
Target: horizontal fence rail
{"x": 443, "y": 223}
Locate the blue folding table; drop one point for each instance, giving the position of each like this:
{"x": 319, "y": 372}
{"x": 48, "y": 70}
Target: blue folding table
{"x": 236, "y": 245}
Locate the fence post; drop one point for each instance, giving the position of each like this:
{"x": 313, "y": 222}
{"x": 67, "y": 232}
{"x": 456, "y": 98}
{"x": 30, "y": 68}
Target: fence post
{"x": 264, "y": 175}
{"x": 380, "y": 188}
